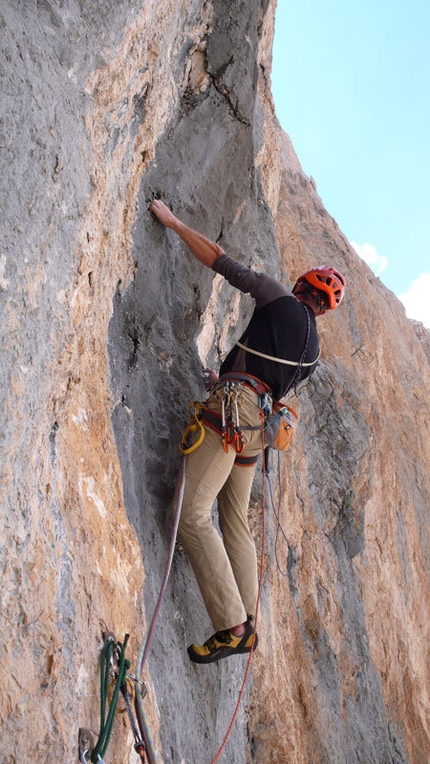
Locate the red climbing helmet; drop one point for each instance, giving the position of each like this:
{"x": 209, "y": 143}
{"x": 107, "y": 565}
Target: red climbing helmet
{"x": 327, "y": 280}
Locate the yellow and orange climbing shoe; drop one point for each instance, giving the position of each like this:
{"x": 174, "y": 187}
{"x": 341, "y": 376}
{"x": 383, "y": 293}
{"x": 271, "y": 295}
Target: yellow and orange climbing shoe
{"x": 224, "y": 643}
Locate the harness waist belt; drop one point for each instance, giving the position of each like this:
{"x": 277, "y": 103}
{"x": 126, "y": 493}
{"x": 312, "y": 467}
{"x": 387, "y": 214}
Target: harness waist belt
{"x": 253, "y": 382}
{"x": 214, "y": 420}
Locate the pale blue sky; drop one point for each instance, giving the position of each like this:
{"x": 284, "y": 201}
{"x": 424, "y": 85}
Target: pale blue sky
{"x": 351, "y": 84}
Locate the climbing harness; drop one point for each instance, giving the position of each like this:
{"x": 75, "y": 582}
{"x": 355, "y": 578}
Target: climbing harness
{"x": 279, "y": 419}
{"x": 227, "y": 423}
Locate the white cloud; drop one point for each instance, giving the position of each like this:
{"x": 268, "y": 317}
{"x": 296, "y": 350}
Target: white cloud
{"x": 417, "y": 299}
{"x": 368, "y": 253}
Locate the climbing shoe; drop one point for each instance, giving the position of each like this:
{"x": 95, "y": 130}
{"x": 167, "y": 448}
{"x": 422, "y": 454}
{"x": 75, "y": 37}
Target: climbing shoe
{"x": 224, "y": 643}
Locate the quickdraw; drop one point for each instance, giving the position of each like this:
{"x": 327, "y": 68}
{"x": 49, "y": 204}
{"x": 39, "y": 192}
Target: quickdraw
{"x": 113, "y": 662}
{"x": 139, "y": 745}
{"x": 231, "y": 433}
{"x": 114, "y": 680}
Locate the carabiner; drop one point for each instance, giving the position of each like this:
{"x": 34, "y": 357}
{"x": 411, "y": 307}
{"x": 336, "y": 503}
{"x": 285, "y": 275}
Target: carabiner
{"x": 191, "y": 428}
{"x": 84, "y": 759}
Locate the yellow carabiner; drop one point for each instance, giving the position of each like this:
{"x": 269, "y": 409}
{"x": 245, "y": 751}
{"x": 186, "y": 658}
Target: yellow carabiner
{"x": 191, "y": 428}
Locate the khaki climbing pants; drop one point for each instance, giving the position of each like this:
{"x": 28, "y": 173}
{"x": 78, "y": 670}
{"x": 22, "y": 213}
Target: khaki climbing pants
{"x": 225, "y": 565}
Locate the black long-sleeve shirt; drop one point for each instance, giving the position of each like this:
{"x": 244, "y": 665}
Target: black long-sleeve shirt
{"x": 278, "y": 328}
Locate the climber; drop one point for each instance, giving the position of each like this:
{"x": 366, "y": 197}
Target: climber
{"x": 279, "y": 345}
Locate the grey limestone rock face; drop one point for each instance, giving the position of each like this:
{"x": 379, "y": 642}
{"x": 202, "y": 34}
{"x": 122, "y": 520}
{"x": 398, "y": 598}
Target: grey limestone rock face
{"x": 107, "y": 323}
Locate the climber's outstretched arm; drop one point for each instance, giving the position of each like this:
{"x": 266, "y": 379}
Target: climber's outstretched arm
{"x": 202, "y": 248}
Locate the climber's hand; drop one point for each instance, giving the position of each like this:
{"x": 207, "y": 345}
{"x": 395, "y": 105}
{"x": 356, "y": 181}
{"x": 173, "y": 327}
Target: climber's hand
{"x": 211, "y": 378}
{"x": 201, "y": 248}
{"x": 162, "y": 212}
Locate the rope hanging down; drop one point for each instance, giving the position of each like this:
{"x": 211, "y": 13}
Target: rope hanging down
{"x": 260, "y": 584}
{"x": 277, "y": 513}
{"x": 113, "y": 652}
{"x": 113, "y": 659}
{"x": 144, "y": 649}
{"x": 145, "y": 646}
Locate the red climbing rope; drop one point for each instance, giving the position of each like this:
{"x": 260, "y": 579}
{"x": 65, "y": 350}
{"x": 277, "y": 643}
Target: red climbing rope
{"x": 140, "y": 715}
{"x": 144, "y": 649}
{"x": 260, "y": 582}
